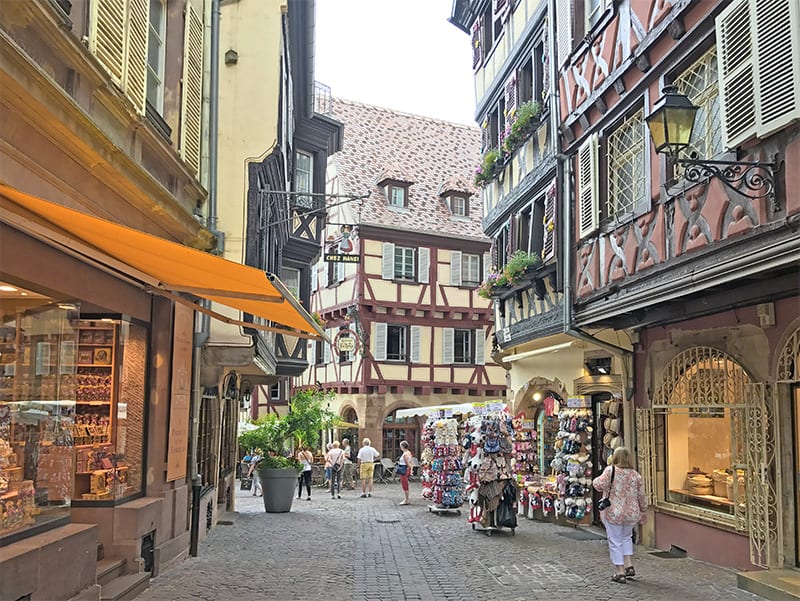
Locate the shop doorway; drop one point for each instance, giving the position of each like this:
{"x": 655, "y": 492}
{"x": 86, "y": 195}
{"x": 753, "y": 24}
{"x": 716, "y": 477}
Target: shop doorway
{"x": 397, "y": 429}
{"x": 796, "y": 406}
{"x": 601, "y": 450}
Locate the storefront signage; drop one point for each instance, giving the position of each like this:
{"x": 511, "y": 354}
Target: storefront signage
{"x": 178, "y": 449}
{"x": 345, "y": 341}
{"x": 342, "y": 258}
{"x": 478, "y": 408}
{"x": 528, "y": 424}
{"x": 578, "y": 401}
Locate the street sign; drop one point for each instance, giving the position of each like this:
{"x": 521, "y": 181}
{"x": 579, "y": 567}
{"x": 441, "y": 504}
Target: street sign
{"x": 342, "y": 258}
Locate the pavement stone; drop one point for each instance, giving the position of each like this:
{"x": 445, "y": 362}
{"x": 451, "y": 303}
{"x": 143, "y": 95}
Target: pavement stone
{"x": 373, "y": 549}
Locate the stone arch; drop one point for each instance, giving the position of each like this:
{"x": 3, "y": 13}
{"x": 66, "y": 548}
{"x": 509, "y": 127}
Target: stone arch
{"x": 523, "y": 399}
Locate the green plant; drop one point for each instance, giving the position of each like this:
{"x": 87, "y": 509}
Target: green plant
{"x": 307, "y": 416}
{"x": 318, "y": 319}
{"x": 491, "y": 163}
{"x": 527, "y": 118}
{"x": 510, "y": 275}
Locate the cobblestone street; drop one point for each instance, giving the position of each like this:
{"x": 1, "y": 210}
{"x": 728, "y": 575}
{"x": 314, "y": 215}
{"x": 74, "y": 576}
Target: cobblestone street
{"x": 374, "y": 550}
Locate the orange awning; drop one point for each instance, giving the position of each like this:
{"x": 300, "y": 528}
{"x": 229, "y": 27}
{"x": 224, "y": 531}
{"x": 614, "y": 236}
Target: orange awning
{"x": 174, "y": 267}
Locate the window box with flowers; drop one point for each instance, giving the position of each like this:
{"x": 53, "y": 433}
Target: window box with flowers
{"x": 518, "y": 270}
{"x": 522, "y": 124}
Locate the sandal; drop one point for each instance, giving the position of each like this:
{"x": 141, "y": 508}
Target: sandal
{"x": 630, "y": 572}
{"x": 619, "y": 578}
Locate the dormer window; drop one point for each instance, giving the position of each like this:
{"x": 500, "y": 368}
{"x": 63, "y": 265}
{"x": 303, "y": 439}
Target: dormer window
{"x": 459, "y": 206}
{"x": 397, "y": 195}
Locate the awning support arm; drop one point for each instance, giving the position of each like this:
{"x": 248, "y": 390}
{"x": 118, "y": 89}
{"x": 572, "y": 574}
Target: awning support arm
{"x": 217, "y": 292}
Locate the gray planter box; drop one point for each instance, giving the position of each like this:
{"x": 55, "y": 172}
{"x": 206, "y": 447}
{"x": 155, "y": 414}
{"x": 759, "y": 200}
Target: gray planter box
{"x": 278, "y": 487}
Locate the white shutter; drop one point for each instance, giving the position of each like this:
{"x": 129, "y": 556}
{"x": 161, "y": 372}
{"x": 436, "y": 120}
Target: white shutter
{"x": 549, "y": 243}
{"x": 737, "y": 73}
{"x": 448, "y": 342}
{"x": 314, "y": 278}
{"x": 588, "y": 197}
{"x": 134, "y": 80}
{"x": 387, "y": 266}
{"x": 564, "y": 12}
{"x": 192, "y": 90}
{"x": 778, "y": 47}
{"x": 423, "y": 265}
{"x": 326, "y": 347}
{"x": 312, "y": 352}
{"x": 415, "y": 342}
{"x": 379, "y": 348}
{"x": 455, "y": 267}
{"x": 480, "y": 351}
{"x": 487, "y": 265}
{"x": 340, "y": 272}
{"x": 107, "y": 35}
{"x": 477, "y": 51}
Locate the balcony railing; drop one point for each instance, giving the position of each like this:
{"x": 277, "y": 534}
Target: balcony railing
{"x": 322, "y": 99}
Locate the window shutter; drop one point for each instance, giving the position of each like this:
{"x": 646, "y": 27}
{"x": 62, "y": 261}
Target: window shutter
{"x": 107, "y": 35}
{"x": 415, "y": 342}
{"x": 448, "y": 342}
{"x": 564, "y": 18}
{"x": 423, "y": 265}
{"x": 511, "y": 99}
{"x": 387, "y": 267}
{"x": 778, "y": 93}
{"x": 379, "y": 349}
{"x": 312, "y": 352}
{"x": 501, "y": 9}
{"x": 455, "y": 267}
{"x": 340, "y": 272}
{"x": 485, "y": 140}
{"x": 192, "y": 90}
{"x": 314, "y": 278}
{"x": 549, "y": 243}
{"x": 487, "y": 264}
{"x": 587, "y": 187}
{"x": 134, "y": 80}
{"x": 326, "y": 347}
{"x": 480, "y": 349}
{"x": 477, "y": 51}
{"x": 737, "y": 77}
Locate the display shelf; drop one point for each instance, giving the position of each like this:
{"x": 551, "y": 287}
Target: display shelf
{"x": 709, "y": 498}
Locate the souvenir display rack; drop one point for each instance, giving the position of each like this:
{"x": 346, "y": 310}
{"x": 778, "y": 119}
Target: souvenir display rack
{"x": 442, "y": 482}
{"x": 572, "y": 463}
{"x": 488, "y": 457}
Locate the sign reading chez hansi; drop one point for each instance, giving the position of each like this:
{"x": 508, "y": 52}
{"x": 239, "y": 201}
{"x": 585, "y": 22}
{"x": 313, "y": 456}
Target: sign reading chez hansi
{"x": 342, "y": 258}
{"x": 345, "y": 341}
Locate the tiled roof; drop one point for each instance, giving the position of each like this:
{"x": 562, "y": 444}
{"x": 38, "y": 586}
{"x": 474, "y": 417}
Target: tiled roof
{"x": 433, "y": 154}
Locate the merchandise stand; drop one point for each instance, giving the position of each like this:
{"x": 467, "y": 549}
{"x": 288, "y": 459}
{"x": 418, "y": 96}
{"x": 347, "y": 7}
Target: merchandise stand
{"x": 489, "y": 461}
{"x": 441, "y": 466}
{"x": 572, "y": 463}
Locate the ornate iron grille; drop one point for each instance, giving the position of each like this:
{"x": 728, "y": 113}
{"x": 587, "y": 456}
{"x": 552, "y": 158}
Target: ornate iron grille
{"x": 626, "y": 176}
{"x": 789, "y": 359}
{"x": 700, "y": 84}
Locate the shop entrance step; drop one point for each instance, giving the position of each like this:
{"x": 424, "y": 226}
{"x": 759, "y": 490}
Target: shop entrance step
{"x": 124, "y": 588}
{"x": 774, "y": 584}
{"x": 109, "y": 569}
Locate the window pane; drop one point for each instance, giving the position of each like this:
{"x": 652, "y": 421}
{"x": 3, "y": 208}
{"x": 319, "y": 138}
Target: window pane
{"x": 470, "y": 269}
{"x": 396, "y": 343}
{"x": 626, "y": 177}
{"x": 462, "y": 346}
{"x": 291, "y": 279}
{"x": 404, "y": 263}
{"x": 397, "y": 196}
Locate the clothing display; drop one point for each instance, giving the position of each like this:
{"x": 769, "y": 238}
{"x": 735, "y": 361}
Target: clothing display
{"x": 441, "y": 464}
{"x": 572, "y": 463}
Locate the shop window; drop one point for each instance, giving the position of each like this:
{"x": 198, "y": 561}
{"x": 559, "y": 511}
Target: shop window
{"x": 206, "y": 460}
{"x": 701, "y": 408}
{"x": 395, "y": 430}
{"x": 228, "y": 443}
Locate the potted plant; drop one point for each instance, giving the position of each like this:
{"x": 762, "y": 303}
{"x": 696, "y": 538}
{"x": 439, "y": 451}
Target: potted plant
{"x": 275, "y": 435}
{"x": 511, "y": 275}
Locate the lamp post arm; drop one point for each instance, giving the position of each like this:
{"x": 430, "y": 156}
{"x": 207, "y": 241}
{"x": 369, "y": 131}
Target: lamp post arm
{"x": 753, "y": 180}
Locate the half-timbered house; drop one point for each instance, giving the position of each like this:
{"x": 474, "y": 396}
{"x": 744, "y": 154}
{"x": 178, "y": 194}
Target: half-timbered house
{"x": 398, "y": 284}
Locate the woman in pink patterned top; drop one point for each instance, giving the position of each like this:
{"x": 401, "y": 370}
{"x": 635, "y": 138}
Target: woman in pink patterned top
{"x": 627, "y": 509}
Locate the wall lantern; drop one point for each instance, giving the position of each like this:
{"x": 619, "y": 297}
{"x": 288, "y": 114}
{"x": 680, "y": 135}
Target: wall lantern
{"x": 671, "y": 123}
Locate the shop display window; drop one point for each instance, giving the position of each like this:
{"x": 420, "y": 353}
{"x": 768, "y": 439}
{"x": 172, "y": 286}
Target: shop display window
{"x": 37, "y": 400}
{"x": 108, "y": 428}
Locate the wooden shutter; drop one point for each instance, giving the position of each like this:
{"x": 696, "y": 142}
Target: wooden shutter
{"x": 777, "y": 23}
{"x": 501, "y": 9}
{"x": 448, "y": 342}
{"x": 192, "y": 90}
{"x": 480, "y": 348}
{"x": 314, "y": 278}
{"x": 340, "y": 272}
{"x": 379, "y": 348}
{"x": 326, "y": 348}
{"x": 737, "y": 73}
{"x": 549, "y": 238}
{"x": 134, "y": 80}
{"x": 415, "y": 342}
{"x": 387, "y": 266}
{"x": 564, "y": 24}
{"x": 455, "y": 267}
{"x": 477, "y": 51}
{"x": 423, "y": 264}
{"x": 589, "y": 203}
{"x": 511, "y": 99}
{"x": 487, "y": 264}
{"x": 312, "y": 352}
{"x": 107, "y": 35}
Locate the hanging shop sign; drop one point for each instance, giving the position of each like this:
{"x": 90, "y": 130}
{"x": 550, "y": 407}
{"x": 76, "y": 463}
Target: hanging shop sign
{"x": 346, "y": 341}
{"x": 341, "y": 251}
{"x": 342, "y": 258}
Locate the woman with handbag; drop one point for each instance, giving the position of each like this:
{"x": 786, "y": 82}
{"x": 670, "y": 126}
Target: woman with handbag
{"x": 625, "y": 507}
{"x": 403, "y": 469}
{"x": 336, "y": 458}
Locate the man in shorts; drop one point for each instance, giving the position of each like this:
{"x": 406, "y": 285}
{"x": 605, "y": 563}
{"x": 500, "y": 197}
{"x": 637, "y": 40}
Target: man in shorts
{"x": 367, "y": 455}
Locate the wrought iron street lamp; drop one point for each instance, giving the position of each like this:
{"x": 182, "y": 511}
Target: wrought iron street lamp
{"x": 671, "y": 123}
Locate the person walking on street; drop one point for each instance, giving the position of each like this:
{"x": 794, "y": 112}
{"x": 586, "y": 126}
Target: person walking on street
{"x": 404, "y": 467}
{"x": 328, "y": 448}
{"x": 623, "y": 486}
{"x": 348, "y": 479}
{"x": 336, "y": 459}
{"x": 305, "y": 457}
{"x": 367, "y": 455}
{"x": 255, "y": 459}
